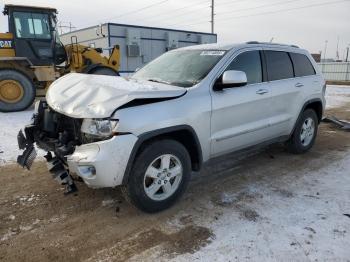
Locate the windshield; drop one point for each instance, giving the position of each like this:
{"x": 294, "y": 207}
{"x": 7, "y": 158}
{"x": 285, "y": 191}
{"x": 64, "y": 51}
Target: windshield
{"x": 183, "y": 68}
{"x": 32, "y": 25}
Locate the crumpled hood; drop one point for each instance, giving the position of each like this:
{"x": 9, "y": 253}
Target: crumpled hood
{"x": 97, "y": 96}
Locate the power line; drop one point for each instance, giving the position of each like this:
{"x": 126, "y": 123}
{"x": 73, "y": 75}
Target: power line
{"x": 177, "y": 9}
{"x": 268, "y": 12}
{"x": 162, "y": 14}
{"x": 288, "y": 9}
{"x": 138, "y": 10}
{"x": 229, "y": 2}
{"x": 183, "y": 13}
{"x": 260, "y": 6}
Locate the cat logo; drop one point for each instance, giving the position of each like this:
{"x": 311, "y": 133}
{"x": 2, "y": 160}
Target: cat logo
{"x": 5, "y": 44}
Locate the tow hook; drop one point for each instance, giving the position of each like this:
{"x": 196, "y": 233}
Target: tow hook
{"x": 60, "y": 173}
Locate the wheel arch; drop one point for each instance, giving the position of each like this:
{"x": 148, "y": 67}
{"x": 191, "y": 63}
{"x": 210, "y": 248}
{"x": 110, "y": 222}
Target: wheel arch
{"x": 90, "y": 69}
{"x": 183, "y": 134}
{"x": 19, "y": 65}
{"x": 314, "y": 104}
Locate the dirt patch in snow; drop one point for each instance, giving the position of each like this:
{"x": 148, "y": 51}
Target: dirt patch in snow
{"x": 186, "y": 240}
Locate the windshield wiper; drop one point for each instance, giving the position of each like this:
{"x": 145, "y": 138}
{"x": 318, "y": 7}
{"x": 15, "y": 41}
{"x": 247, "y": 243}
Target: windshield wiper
{"x": 157, "y": 80}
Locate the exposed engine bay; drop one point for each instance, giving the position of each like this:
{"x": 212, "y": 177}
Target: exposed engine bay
{"x": 56, "y": 134}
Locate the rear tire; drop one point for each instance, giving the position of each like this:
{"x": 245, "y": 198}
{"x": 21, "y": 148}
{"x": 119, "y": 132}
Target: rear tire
{"x": 304, "y": 134}
{"x": 102, "y": 70}
{"x": 152, "y": 187}
{"x": 17, "y": 91}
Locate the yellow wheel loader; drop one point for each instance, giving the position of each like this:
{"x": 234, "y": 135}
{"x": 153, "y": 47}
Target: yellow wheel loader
{"x": 32, "y": 56}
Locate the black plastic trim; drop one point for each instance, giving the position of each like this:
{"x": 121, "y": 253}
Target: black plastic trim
{"x": 163, "y": 131}
{"x": 263, "y": 66}
{"x": 302, "y": 110}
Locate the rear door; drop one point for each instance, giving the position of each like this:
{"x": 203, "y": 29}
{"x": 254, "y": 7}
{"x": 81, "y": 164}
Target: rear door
{"x": 305, "y": 75}
{"x": 240, "y": 115}
{"x": 285, "y": 91}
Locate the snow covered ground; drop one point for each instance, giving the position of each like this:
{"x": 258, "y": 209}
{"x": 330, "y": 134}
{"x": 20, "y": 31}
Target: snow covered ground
{"x": 337, "y": 95}
{"x": 11, "y": 123}
{"x": 309, "y": 221}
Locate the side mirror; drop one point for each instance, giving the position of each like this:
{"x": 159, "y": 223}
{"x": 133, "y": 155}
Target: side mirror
{"x": 231, "y": 78}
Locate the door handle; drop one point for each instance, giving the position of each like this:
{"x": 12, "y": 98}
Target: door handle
{"x": 299, "y": 85}
{"x": 262, "y": 91}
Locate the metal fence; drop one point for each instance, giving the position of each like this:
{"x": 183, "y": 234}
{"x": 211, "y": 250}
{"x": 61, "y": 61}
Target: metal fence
{"x": 335, "y": 71}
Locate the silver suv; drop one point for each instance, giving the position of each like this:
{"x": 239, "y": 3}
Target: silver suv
{"x": 148, "y": 133}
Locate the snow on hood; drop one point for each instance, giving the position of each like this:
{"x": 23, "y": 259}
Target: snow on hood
{"x": 98, "y": 96}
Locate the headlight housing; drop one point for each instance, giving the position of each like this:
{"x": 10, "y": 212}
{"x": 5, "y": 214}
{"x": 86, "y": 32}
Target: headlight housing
{"x": 99, "y": 127}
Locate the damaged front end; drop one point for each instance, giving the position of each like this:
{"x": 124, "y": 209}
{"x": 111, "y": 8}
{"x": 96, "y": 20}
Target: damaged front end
{"x": 56, "y": 134}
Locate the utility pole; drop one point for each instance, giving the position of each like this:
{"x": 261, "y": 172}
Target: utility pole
{"x": 347, "y": 54}
{"x": 325, "y": 50}
{"x": 337, "y": 53}
{"x": 212, "y": 16}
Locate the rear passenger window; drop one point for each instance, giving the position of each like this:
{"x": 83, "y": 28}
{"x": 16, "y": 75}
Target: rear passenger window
{"x": 250, "y": 63}
{"x": 279, "y": 65}
{"x": 302, "y": 65}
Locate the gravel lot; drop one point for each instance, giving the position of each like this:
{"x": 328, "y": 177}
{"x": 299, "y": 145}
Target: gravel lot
{"x": 268, "y": 205}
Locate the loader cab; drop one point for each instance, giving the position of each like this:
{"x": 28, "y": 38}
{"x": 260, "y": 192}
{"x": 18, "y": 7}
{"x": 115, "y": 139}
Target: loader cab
{"x": 35, "y": 34}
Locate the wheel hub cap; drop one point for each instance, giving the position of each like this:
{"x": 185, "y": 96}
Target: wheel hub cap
{"x": 11, "y": 91}
{"x": 307, "y": 131}
{"x": 163, "y": 177}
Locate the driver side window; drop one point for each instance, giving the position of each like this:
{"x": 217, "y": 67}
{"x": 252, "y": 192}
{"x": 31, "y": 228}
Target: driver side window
{"x": 250, "y": 63}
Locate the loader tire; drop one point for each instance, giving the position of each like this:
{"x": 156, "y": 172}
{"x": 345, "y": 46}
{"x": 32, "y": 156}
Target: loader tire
{"x": 101, "y": 70}
{"x": 17, "y": 91}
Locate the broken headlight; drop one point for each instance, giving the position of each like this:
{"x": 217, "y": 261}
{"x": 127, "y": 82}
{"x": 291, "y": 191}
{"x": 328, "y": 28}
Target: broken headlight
{"x": 99, "y": 127}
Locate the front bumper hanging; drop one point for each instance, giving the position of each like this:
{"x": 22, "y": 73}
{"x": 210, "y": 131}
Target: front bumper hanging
{"x": 54, "y": 164}
{"x": 26, "y": 159}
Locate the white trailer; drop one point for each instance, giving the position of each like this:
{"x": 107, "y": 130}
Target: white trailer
{"x": 138, "y": 44}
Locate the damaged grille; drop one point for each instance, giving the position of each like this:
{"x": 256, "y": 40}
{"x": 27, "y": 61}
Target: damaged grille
{"x": 55, "y": 132}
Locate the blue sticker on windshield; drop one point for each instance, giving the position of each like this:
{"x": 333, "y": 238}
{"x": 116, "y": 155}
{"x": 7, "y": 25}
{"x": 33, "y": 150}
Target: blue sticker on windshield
{"x": 213, "y": 53}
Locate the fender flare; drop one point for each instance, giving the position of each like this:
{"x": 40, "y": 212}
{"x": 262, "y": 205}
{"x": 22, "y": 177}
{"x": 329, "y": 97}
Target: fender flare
{"x": 90, "y": 68}
{"x": 303, "y": 109}
{"x": 163, "y": 131}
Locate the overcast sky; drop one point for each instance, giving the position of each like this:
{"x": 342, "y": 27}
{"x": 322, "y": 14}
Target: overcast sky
{"x": 236, "y": 20}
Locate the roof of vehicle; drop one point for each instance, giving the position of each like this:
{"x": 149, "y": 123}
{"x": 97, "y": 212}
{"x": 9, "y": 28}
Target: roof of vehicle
{"x": 28, "y": 8}
{"x": 218, "y": 46}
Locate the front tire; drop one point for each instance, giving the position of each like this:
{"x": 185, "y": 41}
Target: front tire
{"x": 305, "y": 132}
{"x": 159, "y": 176}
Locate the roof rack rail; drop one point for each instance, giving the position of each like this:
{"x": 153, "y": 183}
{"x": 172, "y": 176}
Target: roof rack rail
{"x": 268, "y": 43}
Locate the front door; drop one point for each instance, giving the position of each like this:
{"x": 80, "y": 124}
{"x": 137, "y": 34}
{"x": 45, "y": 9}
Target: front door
{"x": 240, "y": 115}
